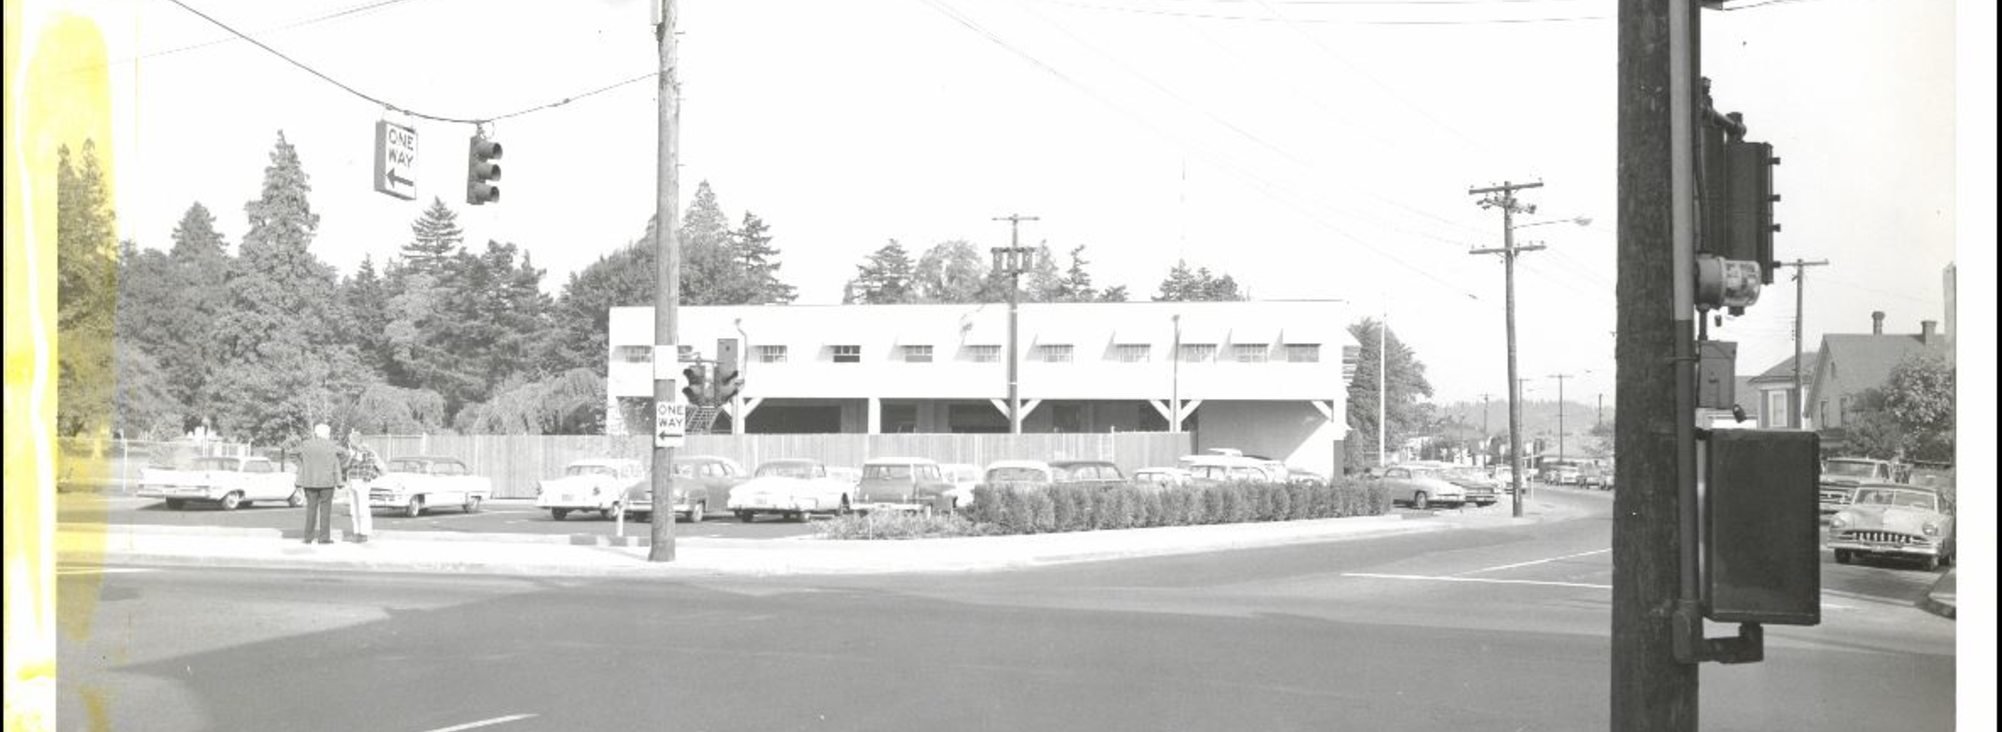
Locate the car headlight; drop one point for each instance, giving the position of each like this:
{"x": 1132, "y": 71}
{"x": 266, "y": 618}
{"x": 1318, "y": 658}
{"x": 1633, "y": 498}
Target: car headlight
{"x": 1840, "y": 520}
{"x": 1931, "y": 528}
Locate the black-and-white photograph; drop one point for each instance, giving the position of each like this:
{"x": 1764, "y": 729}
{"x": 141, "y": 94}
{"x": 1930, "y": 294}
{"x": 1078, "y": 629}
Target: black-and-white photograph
{"x": 443, "y": 365}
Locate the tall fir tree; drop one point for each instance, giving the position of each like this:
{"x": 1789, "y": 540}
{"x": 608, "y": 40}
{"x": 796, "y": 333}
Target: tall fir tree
{"x": 1404, "y": 377}
{"x": 280, "y": 364}
{"x": 884, "y": 278}
{"x": 707, "y": 272}
{"x": 755, "y": 262}
{"x": 201, "y": 264}
{"x": 86, "y": 294}
{"x": 435, "y": 238}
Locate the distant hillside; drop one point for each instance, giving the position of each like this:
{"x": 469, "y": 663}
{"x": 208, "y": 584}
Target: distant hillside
{"x": 1539, "y": 419}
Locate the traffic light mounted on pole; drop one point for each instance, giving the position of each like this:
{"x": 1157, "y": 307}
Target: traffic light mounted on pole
{"x": 697, "y": 389}
{"x": 482, "y": 171}
{"x": 728, "y": 378}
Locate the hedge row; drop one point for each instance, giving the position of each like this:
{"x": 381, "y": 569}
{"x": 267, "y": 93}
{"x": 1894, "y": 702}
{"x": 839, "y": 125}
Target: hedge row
{"x": 1010, "y": 510}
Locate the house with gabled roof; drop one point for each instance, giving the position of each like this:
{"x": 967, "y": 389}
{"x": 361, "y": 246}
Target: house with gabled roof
{"x": 1772, "y": 393}
{"x": 1848, "y": 364}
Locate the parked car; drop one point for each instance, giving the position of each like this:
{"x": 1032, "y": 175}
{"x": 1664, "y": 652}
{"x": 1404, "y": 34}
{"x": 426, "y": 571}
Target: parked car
{"x": 1097, "y": 473}
{"x": 228, "y": 481}
{"x": 592, "y": 484}
{"x": 1559, "y": 472}
{"x": 1233, "y": 469}
{"x": 1304, "y": 477}
{"x": 1159, "y": 478}
{"x": 1840, "y": 477}
{"x": 1894, "y": 521}
{"x": 1596, "y": 474}
{"x": 700, "y": 482}
{"x": 1018, "y": 474}
{"x": 963, "y": 477}
{"x": 412, "y": 484}
{"x": 1480, "y": 489}
{"x": 900, "y": 484}
{"x": 1422, "y": 487}
{"x": 794, "y": 488}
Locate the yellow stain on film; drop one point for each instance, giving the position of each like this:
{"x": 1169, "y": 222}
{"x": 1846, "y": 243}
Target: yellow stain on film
{"x": 58, "y": 95}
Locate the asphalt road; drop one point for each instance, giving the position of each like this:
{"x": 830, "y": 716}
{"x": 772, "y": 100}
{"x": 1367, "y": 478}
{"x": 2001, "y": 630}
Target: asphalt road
{"x": 1472, "y": 629}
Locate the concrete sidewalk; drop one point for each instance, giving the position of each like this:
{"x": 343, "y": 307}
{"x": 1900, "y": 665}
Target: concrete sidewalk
{"x": 1940, "y": 599}
{"x": 597, "y": 556}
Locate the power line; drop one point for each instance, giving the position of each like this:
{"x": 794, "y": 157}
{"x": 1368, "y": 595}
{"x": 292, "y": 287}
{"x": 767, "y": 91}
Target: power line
{"x": 392, "y": 106}
{"x": 352, "y": 10}
{"x": 1324, "y": 21}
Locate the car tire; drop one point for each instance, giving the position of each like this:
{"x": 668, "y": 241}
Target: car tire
{"x": 297, "y": 499}
{"x": 608, "y": 513}
{"x": 472, "y": 504}
{"x": 232, "y": 501}
{"x": 176, "y": 504}
{"x": 1842, "y": 556}
{"x": 802, "y": 517}
{"x": 745, "y": 517}
{"x": 415, "y": 508}
{"x": 1930, "y": 564}
{"x": 1420, "y": 501}
{"x": 695, "y": 513}
{"x": 558, "y": 513}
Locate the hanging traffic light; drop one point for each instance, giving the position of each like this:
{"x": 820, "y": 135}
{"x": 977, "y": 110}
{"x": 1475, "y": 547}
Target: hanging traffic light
{"x": 696, "y": 390}
{"x": 482, "y": 171}
{"x": 1751, "y": 216}
{"x": 729, "y": 379}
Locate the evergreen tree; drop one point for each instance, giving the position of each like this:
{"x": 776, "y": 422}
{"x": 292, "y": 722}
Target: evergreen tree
{"x": 1043, "y": 282}
{"x": 279, "y": 362}
{"x": 708, "y": 274}
{"x": 366, "y": 300}
{"x": 1075, "y": 285}
{"x": 201, "y": 265}
{"x": 755, "y": 279}
{"x": 435, "y": 238}
{"x": 86, "y": 294}
{"x": 1115, "y": 293}
{"x": 580, "y": 319}
{"x": 1186, "y": 285}
{"x": 885, "y": 278}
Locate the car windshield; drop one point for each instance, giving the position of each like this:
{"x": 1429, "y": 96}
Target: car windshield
{"x": 788, "y": 470}
{"x": 1850, "y": 468}
{"x": 1007, "y": 475}
{"x": 417, "y": 466}
{"x": 886, "y": 472}
{"x": 572, "y": 470}
{"x": 1908, "y": 499}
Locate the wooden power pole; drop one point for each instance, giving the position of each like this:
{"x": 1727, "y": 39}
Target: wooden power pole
{"x": 1796, "y": 407}
{"x": 1503, "y": 197}
{"x": 1654, "y": 349}
{"x": 667, "y": 290}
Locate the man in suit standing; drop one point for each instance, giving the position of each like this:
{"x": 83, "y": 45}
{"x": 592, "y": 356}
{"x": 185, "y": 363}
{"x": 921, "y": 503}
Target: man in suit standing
{"x": 319, "y": 475}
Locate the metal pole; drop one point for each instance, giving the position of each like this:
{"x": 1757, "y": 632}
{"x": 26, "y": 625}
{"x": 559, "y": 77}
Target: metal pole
{"x": 667, "y": 290}
{"x": 1175, "y": 379}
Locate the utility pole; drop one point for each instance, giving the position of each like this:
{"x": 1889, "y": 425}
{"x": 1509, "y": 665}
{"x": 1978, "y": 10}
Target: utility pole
{"x": 667, "y": 287}
{"x": 1484, "y": 415}
{"x": 1796, "y": 402}
{"x": 1560, "y": 412}
{"x": 1654, "y": 346}
{"x": 1012, "y": 261}
{"x": 1602, "y": 410}
{"x": 1503, "y": 197}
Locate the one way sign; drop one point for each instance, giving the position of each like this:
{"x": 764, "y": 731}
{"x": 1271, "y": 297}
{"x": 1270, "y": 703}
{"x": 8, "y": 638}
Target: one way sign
{"x": 395, "y": 158}
{"x": 670, "y": 424}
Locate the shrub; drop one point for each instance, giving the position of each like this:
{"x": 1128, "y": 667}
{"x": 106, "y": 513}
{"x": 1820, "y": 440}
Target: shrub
{"x": 1281, "y": 503}
{"x": 1153, "y": 509}
{"x": 1042, "y": 512}
{"x": 894, "y": 525}
{"x": 1016, "y": 515}
{"x": 986, "y": 507}
{"x": 1064, "y": 508}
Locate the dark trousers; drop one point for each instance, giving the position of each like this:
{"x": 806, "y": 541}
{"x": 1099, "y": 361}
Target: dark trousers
{"x": 320, "y": 514}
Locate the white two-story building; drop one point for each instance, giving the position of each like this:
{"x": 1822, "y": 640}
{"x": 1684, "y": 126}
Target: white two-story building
{"x": 1268, "y": 377}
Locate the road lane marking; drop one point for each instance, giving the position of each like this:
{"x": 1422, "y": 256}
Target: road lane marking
{"x": 1538, "y": 561}
{"x": 1480, "y": 580}
{"x": 483, "y": 723}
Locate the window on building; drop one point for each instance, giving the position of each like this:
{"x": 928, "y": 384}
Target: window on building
{"x": 917, "y": 354}
{"x": 632, "y": 354}
{"x": 1250, "y": 352}
{"x": 1056, "y": 353}
{"x": 847, "y": 354}
{"x": 1131, "y": 352}
{"x": 1198, "y": 352}
{"x": 771, "y": 354}
{"x": 983, "y": 354}
{"x": 1303, "y": 352}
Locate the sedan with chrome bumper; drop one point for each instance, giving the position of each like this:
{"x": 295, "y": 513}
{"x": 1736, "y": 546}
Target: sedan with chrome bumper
{"x": 1894, "y": 521}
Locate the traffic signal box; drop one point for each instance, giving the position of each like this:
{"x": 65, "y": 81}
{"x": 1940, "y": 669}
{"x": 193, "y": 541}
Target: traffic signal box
{"x": 482, "y": 171}
{"x": 696, "y": 391}
{"x": 729, "y": 379}
{"x": 1762, "y": 521}
{"x": 1736, "y": 176}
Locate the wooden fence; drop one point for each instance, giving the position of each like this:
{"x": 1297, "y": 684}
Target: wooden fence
{"x": 516, "y": 462}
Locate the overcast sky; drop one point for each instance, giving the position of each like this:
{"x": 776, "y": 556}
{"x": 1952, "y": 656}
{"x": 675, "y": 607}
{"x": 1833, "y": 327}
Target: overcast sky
{"x": 1311, "y": 149}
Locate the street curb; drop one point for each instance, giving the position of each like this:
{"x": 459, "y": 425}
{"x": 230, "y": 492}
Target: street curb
{"x": 1941, "y": 600}
{"x": 295, "y": 534}
{"x": 1936, "y": 606}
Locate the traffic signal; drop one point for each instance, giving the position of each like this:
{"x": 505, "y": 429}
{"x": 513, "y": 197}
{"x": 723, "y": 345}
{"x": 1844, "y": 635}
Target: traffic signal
{"x": 695, "y": 378}
{"x": 729, "y": 379}
{"x": 482, "y": 171}
{"x": 1751, "y": 216}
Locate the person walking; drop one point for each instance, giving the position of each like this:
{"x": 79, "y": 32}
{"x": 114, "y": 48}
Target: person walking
{"x": 360, "y": 467}
{"x": 319, "y": 474}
